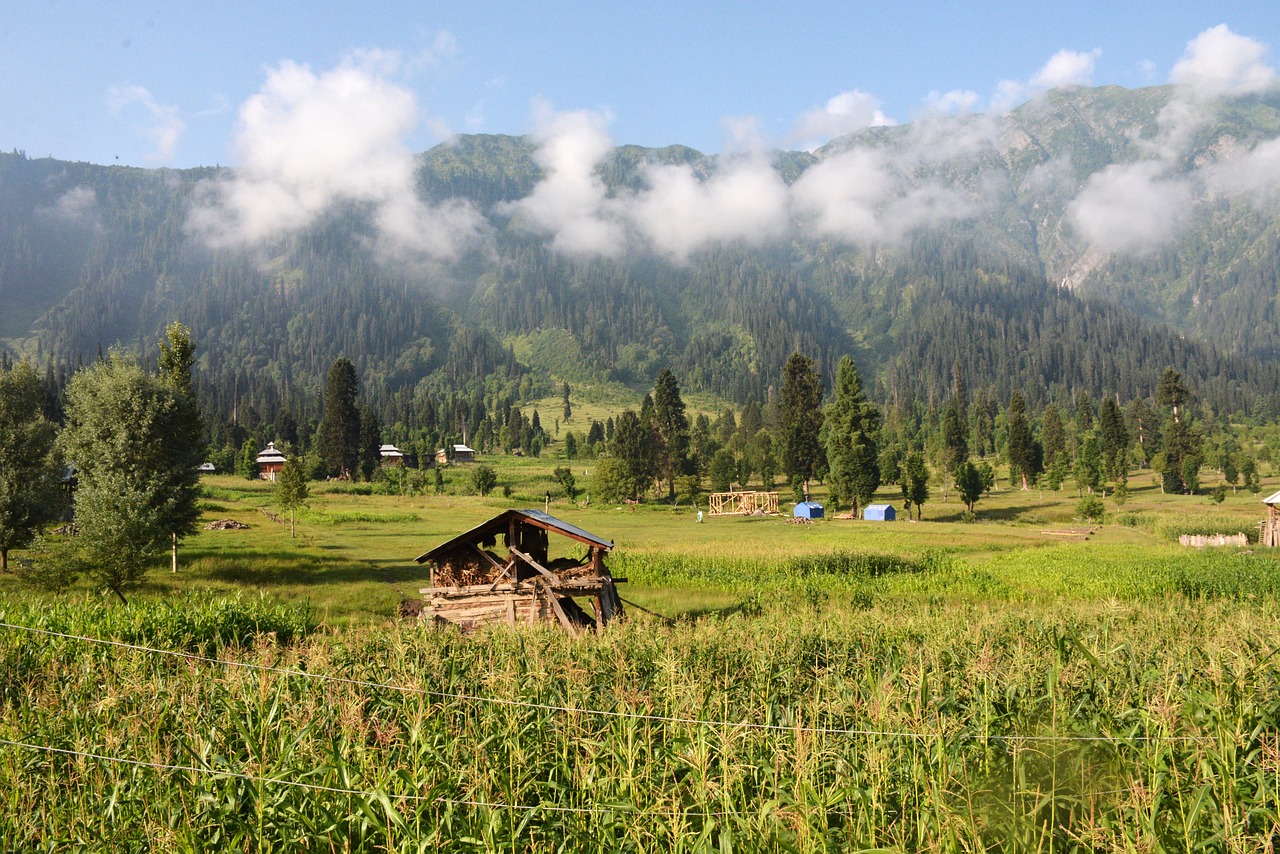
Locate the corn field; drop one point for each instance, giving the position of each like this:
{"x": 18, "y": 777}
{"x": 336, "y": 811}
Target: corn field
{"x": 899, "y": 723}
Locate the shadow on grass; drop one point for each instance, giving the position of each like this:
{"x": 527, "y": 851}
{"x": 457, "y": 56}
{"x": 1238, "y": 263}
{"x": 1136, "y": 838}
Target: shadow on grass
{"x": 990, "y": 514}
{"x": 269, "y": 568}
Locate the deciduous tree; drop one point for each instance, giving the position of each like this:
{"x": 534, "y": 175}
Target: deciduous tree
{"x": 30, "y": 466}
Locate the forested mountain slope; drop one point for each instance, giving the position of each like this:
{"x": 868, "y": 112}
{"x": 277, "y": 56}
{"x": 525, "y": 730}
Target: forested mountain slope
{"x": 1085, "y": 240}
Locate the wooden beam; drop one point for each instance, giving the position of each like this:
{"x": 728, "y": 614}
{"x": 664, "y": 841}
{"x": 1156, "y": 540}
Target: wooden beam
{"x": 560, "y": 614}
{"x": 533, "y": 563}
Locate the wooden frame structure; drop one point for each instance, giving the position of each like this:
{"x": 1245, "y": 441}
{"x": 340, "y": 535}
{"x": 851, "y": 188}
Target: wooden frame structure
{"x": 742, "y": 504}
{"x": 1270, "y": 533}
{"x": 471, "y": 585}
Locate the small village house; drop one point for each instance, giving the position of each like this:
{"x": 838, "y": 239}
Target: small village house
{"x": 270, "y": 461}
{"x": 391, "y": 456}
{"x": 460, "y": 453}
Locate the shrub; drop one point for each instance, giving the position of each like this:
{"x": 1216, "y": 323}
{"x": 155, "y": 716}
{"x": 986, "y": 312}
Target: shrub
{"x": 483, "y": 479}
{"x": 1090, "y": 508}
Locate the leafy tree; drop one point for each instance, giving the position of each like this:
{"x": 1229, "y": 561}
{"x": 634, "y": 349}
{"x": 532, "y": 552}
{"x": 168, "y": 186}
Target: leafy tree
{"x": 915, "y": 483}
{"x": 570, "y": 445}
{"x": 724, "y": 468}
{"x": 136, "y": 468}
{"x": 30, "y": 466}
{"x": 564, "y": 476}
{"x": 484, "y": 479}
{"x": 339, "y": 432}
{"x": 612, "y": 481}
{"x": 291, "y": 490}
{"x": 1249, "y": 471}
{"x": 801, "y": 414}
{"x": 972, "y": 481}
{"x": 852, "y": 425}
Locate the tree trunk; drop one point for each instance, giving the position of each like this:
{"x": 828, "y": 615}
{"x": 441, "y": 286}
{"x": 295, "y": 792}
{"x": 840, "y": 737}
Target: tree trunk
{"x": 175, "y": 553}
{"x": 4, "y": 560}
{"x": 292, "y": 530}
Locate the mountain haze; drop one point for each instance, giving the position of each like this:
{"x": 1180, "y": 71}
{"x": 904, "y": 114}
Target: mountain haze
{"x": 1084, "y": 240}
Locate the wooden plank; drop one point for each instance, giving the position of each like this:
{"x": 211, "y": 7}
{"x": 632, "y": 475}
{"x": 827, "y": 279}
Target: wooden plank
{"x": 533, "y": 563}
{"x": 560, "y": 614}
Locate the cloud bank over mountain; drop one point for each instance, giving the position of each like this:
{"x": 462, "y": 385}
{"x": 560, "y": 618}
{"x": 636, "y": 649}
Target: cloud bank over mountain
{"x": 311, "y": 141}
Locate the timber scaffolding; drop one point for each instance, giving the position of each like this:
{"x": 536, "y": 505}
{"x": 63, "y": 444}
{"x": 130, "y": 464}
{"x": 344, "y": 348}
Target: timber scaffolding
{"x": 471, "y": 585}
{"x": 743, "y": 504}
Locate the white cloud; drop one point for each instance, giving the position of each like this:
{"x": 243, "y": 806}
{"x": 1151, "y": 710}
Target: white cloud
{"x": 1256, "y": 174}
{"x": 952, "y": 102}
{"x": 308, "y": 141}
{"x": 159, "y": 123}
{"x": 845, "y": 113}
{"x": 1219, "y": 62}
{"x": 744, "y": 200}
{"x": 862, "y": 196}
{"x": 571, "y": 203}
{"x": 1066, "y": 68}
{"x": 77, "y": 207}
{"x": 1133, "y": 208}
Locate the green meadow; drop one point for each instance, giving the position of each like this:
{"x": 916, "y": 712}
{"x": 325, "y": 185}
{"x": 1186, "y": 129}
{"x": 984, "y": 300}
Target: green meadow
{"x": 1023, "y": 682}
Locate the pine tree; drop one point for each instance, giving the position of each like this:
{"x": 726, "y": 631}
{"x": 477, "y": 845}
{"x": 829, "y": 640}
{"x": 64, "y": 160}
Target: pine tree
{"x": 370, "y": 443}
{"x": 1115, "y": 441}
{"x": 177, "y": 356}
{"x": 673, "y": 430}
{"x": 339, "y": 433}
{"x": 1053, "y": 434}
{"x": 634, "y": 446}
{"x": 1025, "y": 455}
{"x": 852, "y": 426}
{"x": 801, "y": 414}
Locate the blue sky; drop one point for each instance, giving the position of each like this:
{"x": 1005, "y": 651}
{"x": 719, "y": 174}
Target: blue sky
{"x": 163, "y": 83}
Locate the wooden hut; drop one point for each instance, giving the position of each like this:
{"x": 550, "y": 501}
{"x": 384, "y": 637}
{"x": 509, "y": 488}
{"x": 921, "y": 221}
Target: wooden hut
{"x": 270, "y": 462}
{"x": 390, "y": 455}
{"x": 1270, "y": 535}
{"x": 471, "y": 585}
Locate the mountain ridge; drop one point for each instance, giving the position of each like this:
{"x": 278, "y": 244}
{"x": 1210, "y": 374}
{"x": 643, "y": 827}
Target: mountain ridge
{"x": 976, "y": 231}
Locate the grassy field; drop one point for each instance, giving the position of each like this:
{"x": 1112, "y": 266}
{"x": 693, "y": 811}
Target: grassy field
{"x": 1004, "y": 684}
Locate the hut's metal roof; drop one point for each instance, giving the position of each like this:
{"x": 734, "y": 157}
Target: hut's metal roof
{"x": 498, "y": 525}
{"x": 1272, "y": 499}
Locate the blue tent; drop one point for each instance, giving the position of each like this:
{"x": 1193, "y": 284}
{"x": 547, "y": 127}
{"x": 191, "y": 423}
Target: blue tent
{"x": 880, "y": 513}
{"x": 808, "y": 510}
